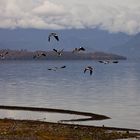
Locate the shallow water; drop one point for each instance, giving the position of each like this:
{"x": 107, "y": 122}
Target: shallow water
{"x": 112, "y": 90}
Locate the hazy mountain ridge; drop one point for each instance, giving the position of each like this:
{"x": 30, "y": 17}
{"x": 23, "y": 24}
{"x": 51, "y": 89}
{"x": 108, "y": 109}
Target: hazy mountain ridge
{"x": 32, "y": 39}
{"x": 91, "y": 39}
{"x": 130, "y": 49}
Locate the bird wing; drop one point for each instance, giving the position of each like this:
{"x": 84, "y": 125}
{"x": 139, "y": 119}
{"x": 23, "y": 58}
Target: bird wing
{"x": 37, "y": 55}
{"x": 49, "y": 37}
{"x": 85, "y": 70}
{"x": 90, "y": 72}
{"x": 100, "y": 61}
{"x": 43, "y": 54}
{"x": 81, "y": 49}
{"x": 63, "y": 67}
{"x": 107, "y": 61}
{"x": 56, "y": 37}
{"x": 6, "y": 53}
{"x": 62, "y": 50}
{"x": 115, "y": 62}
{"x": 75, "y": 50}
{"x": 55, "y": 50}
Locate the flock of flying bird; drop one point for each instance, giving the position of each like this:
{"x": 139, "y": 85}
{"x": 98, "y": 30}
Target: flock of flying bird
{"x": 75, "y": 50}
{"x": 60, "y": 53}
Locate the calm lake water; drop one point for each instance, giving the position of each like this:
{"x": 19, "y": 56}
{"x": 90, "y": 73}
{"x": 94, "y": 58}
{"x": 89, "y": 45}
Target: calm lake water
{"x": 112, "y": 90}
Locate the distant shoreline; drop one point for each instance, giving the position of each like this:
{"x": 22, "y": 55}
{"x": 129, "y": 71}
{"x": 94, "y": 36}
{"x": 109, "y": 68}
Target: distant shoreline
{"x": 7, "y": 54}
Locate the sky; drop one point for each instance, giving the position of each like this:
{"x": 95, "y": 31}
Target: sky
{"x": 111, "y": 15}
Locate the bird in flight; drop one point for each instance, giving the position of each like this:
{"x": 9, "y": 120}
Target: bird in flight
{"x": 90, "y": 69}
{"x": 56, "y": 68}
{"x": 59, "y": 53}
{"x": 107, "y": 61}
{"x": 78, "y": 49}
{"x": 104, "y": 61}
{"x": 62, "y": 67}
{"x": 115, "y": 61}
{"x": 39, "y": 55}
{"x": 53, "y": 35}
{"x": 2, "y": 55}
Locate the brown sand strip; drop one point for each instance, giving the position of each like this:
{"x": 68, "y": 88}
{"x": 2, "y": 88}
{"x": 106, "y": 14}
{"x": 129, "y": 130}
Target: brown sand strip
{"x": 90, "y": 126}
{"x": 91, "y": 116}
{"x": 37, "y": 130}
{"x": 70, "y": 125}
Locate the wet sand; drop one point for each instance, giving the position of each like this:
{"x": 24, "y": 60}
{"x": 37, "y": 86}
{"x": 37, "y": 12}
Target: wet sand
{"x": 11, "y": 129}
{"x": 89, "y": 116}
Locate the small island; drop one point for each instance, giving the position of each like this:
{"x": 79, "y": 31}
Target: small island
{"x": 7, "y": 54}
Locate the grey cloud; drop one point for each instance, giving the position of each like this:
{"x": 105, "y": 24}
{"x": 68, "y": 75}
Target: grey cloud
{"x": 111, "y": 15}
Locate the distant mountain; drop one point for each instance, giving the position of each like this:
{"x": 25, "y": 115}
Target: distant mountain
{"x": 130, "y": 49}
{"x": 33, "y": 39}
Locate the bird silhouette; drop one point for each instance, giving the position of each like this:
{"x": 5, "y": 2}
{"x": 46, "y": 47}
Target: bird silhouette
{"x": 3, "y": 54}
{"x": 59, "y": 52}
{"x": 78, "y": 49}
{"x": 63, "y": 67}
{"x": 56, "y": 68}
{"x": 107, "y": 61}
{"x": 39, "y": 55}
{"x": 104, "y": 61}
{"x": 115, "y": 61}
{"x": 53, "y": 35}
{"x": 89, "y": 68}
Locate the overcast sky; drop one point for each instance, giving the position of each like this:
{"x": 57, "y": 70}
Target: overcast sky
{"x": 111, "y": 15}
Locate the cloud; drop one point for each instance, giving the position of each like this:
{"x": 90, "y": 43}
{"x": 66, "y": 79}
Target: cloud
{"x": 111, "y": 15}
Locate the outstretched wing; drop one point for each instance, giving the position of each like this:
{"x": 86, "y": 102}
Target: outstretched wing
{"x": 115, "y": 62}
{"x": 55, "y": 50}
{"x": 63, "y": 67}
{"x": 43, "y": 54}
{"x": 56, "y": 37}
{"x": 49, "y": 37}
{"x": 100, "y": 61}
{"x": 6, "y": 53}
{"x": 36, "y": 55}
{"x": 82, "y": 49}
{"x": 62, "y": 50}
{"x": 90, "y": 72}
{"x": 85, "y": 70}
{"x": 75, "y": 50}
{"x": 54, "y": 69}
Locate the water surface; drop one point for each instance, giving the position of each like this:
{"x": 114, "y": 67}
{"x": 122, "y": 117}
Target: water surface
{"x": 112, "y": 90}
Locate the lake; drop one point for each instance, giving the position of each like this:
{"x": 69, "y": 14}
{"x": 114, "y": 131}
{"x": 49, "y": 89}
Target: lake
{"x": 112, "y": 90}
